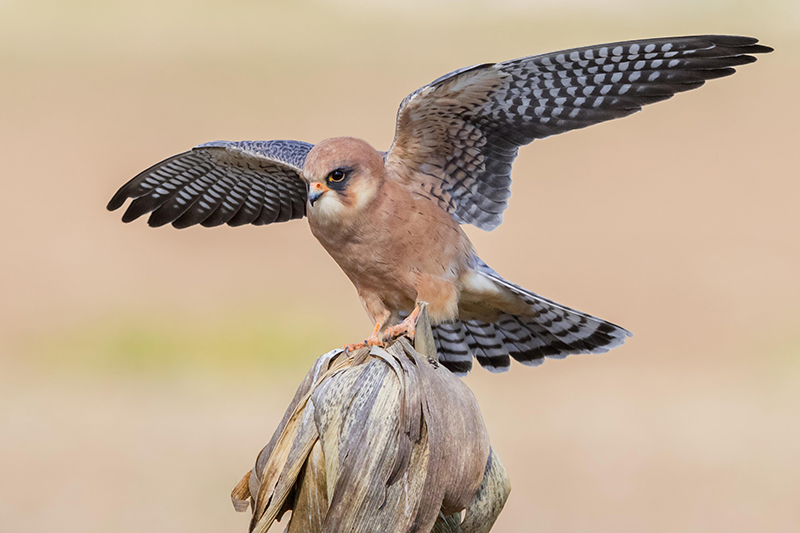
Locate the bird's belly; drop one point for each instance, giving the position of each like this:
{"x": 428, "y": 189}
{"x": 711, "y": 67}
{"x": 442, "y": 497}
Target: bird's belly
{"x": 401, "y": 256}
{"x": 372, "y": 268}
{"x": 399, "y": 280}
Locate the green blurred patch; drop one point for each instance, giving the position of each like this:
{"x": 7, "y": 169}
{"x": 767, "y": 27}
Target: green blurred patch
{"x": 786, "y": 348}
{"x": 170, "y": 345}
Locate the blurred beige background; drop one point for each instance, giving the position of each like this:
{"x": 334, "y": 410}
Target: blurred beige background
{"x": 142, "y": 370}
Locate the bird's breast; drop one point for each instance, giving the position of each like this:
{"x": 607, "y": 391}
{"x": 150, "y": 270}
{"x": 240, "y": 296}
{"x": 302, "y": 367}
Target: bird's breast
{"x": 396, "y": 243}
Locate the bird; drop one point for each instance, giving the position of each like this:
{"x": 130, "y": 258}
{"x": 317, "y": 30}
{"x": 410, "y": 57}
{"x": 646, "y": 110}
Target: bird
{"x": 393, "y": 220}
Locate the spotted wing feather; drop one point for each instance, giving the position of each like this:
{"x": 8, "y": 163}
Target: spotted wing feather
{"x": 221, "y": 182}
{"x": 456, "y": 139}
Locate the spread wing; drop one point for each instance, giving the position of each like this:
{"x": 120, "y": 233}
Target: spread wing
{"x": 456, "y": 138}
{"x": 221, "y": 182}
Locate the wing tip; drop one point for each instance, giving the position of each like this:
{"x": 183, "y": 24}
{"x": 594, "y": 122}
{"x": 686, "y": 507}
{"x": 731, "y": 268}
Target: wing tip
{"x": 156, "y": 222}
{"x": 739, "y": 41}
{"x": 129, "y": 215}
{"x": 115, "y": 203}
{"x": 118, "y": 199}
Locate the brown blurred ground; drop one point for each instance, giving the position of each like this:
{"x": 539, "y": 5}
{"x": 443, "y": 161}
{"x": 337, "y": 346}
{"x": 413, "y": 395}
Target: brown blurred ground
{"x": 141, "y": 370}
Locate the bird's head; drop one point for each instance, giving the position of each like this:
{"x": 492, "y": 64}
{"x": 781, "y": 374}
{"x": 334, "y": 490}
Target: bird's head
{"x": 344, "y": 175}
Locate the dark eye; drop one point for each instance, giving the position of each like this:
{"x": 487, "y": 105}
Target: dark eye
{"x": 336, "y": 176}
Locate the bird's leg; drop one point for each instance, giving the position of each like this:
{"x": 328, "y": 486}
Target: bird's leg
{"x": 375, "y": 337}
{"x": 406, "y": 327}
{"x": 379, "y": 313}
{"x": 373, "y": 340}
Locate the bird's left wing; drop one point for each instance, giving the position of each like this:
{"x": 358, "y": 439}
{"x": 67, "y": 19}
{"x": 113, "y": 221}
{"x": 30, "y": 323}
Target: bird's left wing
{"x": 221, "y": 182}
{"x": 457, "y": 137}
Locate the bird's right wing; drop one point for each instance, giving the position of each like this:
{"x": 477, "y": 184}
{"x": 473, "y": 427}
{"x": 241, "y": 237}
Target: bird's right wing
{"x": 221, "y": 182}
{"x": 457, "y": 137}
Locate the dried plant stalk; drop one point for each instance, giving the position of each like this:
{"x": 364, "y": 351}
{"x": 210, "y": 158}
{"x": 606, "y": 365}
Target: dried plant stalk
{"x": 378, "y": 440}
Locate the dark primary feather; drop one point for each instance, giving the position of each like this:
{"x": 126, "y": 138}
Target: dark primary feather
{"x": 538, "y": 96}
{"x": 221, "y": 182}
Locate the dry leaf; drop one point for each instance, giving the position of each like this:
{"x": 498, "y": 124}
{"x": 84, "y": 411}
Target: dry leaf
{"x": 378, "y": 440}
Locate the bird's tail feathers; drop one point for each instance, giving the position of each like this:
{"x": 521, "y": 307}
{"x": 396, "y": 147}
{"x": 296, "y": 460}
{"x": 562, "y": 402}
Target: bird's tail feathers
{"x": 546, "y": 329}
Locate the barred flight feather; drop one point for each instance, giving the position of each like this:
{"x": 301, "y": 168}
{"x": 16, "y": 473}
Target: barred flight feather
{"x": 221, "y": 182}
{"x": 465, "y": 128}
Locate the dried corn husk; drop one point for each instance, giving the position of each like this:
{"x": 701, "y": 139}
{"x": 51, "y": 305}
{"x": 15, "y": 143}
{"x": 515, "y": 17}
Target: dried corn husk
{"x": 378, "y": 440}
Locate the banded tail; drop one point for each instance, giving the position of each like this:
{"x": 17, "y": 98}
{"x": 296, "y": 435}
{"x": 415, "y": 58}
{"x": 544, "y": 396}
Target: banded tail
{"x": 545, "y": 329}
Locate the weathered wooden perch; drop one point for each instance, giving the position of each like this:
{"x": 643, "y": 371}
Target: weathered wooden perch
{"x": 378, "y": 440}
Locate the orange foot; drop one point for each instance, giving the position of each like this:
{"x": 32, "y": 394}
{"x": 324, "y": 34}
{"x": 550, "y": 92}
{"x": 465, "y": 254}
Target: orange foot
{"x": 373, "y": 340}
{"x": 406, "y": 327}
{"x": 354, "y": 346}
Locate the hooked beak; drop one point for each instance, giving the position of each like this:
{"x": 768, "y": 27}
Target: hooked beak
{"x": 315, "y": 192}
